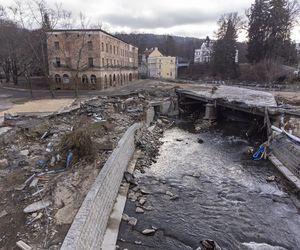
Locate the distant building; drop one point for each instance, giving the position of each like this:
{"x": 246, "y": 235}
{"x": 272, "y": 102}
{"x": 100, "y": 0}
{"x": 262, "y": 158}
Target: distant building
{"x": 158, "y": 65}
{"x": 236, "y": 59}
{"x": 93, "y": 58}
{"x": 203, "y": 55}
{"x": 143, "y": 66}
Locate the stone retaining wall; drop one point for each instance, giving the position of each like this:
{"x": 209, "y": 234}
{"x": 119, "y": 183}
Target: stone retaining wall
{"x": 88, "y": 228}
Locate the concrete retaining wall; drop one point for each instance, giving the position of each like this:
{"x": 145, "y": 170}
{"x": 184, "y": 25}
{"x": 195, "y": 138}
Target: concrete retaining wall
{"x": 88, "y": 228}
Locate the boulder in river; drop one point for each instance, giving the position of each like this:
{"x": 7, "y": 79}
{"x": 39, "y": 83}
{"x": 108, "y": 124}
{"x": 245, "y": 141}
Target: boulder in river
{"x": 148, "y": 231}
{"x": 209, "y": 245}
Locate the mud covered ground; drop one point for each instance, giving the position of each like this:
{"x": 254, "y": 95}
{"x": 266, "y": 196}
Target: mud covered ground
{"x": 32, "y": 167}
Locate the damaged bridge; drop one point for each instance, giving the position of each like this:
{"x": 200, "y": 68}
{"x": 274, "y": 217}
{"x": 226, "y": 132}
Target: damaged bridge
{"x": 235, "y": 98}
{"x": 284, "y": 152}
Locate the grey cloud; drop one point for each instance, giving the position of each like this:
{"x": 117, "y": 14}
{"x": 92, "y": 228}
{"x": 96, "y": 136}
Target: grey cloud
{"x": 161, "y": 19}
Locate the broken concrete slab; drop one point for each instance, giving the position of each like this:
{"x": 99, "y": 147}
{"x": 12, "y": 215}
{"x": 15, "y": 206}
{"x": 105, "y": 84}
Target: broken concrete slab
{"x": 4, "y": 130}
{"x": 37, "y": 206}
{"x": 22, "y": 245}
{"x": 3, "y": 213}
{"x": 34, "y": 182}
{"x": 24, "y": 152}
{"x": 3, "y": 163}
{"x": 249, "y": 97}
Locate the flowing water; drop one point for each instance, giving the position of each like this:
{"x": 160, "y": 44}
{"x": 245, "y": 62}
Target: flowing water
{"x": 222, "y": 195}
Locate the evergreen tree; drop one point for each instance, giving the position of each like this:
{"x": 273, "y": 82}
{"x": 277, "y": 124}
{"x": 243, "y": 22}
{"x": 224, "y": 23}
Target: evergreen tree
{"x": 279, "y": 25}
{"x": 257, "y": 32}
{"x": 224, "y": 51}
{"x": 270, "y": 24}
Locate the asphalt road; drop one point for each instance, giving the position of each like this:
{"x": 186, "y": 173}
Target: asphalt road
{"x": 16, "y": 93}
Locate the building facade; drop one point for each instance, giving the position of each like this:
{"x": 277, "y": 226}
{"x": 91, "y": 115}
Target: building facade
{"x": 204, "y": 54}
{"x": 160, "y": 66}
{"x": 90, "y": 59}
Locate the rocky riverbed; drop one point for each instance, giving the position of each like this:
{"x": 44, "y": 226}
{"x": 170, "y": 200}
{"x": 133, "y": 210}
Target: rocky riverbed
{"x": 206, "y": 186}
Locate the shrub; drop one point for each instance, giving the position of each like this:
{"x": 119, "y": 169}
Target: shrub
{"x": 80, "y": 142}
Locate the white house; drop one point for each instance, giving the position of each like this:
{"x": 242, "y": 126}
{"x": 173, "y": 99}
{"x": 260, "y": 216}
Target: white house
{"x": 204, "y": 54}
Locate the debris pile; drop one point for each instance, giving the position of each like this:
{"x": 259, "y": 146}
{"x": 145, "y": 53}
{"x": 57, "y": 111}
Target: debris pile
{"x": 149, "y": 143}
{"x": 48, "y": 164}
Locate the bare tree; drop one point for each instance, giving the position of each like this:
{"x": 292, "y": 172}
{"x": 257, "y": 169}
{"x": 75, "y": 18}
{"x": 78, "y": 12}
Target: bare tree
{"x": 76, "y": 45}
{"x": 40, "y": 19}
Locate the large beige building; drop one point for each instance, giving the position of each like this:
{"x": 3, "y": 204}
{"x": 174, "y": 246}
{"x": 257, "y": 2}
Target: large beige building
{"x": 91, "y": 59}
{"x": 160, "y": 66}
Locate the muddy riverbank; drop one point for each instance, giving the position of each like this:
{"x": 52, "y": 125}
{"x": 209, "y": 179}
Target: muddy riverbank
{"x": 211, "y": 190}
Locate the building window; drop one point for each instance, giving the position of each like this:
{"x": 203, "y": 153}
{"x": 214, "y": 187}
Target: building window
{"x": 91, "y": 62}
{"x": 102, "y": 46}
{"x": 66, "y": 78}
{"x": 110, "y": 49}
{"x": 103, "y": 62}
{"x": 57, "y": 78}
{"x": 111, "y": 62}
{"x": 56, "y": 45}
{"x": 90, "y": 45}
{"x": 118, "y": 62}
{"x": 107, "y": 62}
{"x": 68, "y": 61}
{"x": 114, "y": 62}
{"x": 93, "y": 79}
{"x": 57, "y": 62}
{"x": 114, "y": 50}
{"x": 84, "y": 79}
{"x": 171, "y": 74}
{"x": 106, "y": 48}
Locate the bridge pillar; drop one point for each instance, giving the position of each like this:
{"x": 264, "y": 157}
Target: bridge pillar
{"x": 210, "y": 112}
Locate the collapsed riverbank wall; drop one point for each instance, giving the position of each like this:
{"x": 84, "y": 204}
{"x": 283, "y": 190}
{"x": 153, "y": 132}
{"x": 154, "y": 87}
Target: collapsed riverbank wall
{"x": 88, "y": 228}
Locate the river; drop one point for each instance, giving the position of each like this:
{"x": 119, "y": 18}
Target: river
{"x": 222, "y": 195}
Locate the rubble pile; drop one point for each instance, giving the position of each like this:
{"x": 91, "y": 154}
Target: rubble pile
{"x": 201, "y": 125}
{"x": 149, "y": 143}
{"x": 48, "y": 164}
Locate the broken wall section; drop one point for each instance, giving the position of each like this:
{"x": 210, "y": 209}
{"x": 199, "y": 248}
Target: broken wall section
{"x": 88, "y": 228}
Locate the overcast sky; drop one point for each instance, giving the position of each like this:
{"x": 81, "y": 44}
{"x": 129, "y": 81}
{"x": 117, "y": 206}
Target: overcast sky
{"x": 195, "y": 18}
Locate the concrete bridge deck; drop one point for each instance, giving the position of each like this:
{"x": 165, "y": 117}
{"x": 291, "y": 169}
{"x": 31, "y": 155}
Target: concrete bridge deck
{"x": 236, "y": 98}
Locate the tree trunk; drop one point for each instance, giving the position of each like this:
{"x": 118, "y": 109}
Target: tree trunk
{"x": 7, "y": 76}
{"x": 76, "y": 85}
{"x": 48, "y": 82}
{"x": 29, "y": 85}
{"x": 14, "y": 71}
{"x": 6, "y": 69}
